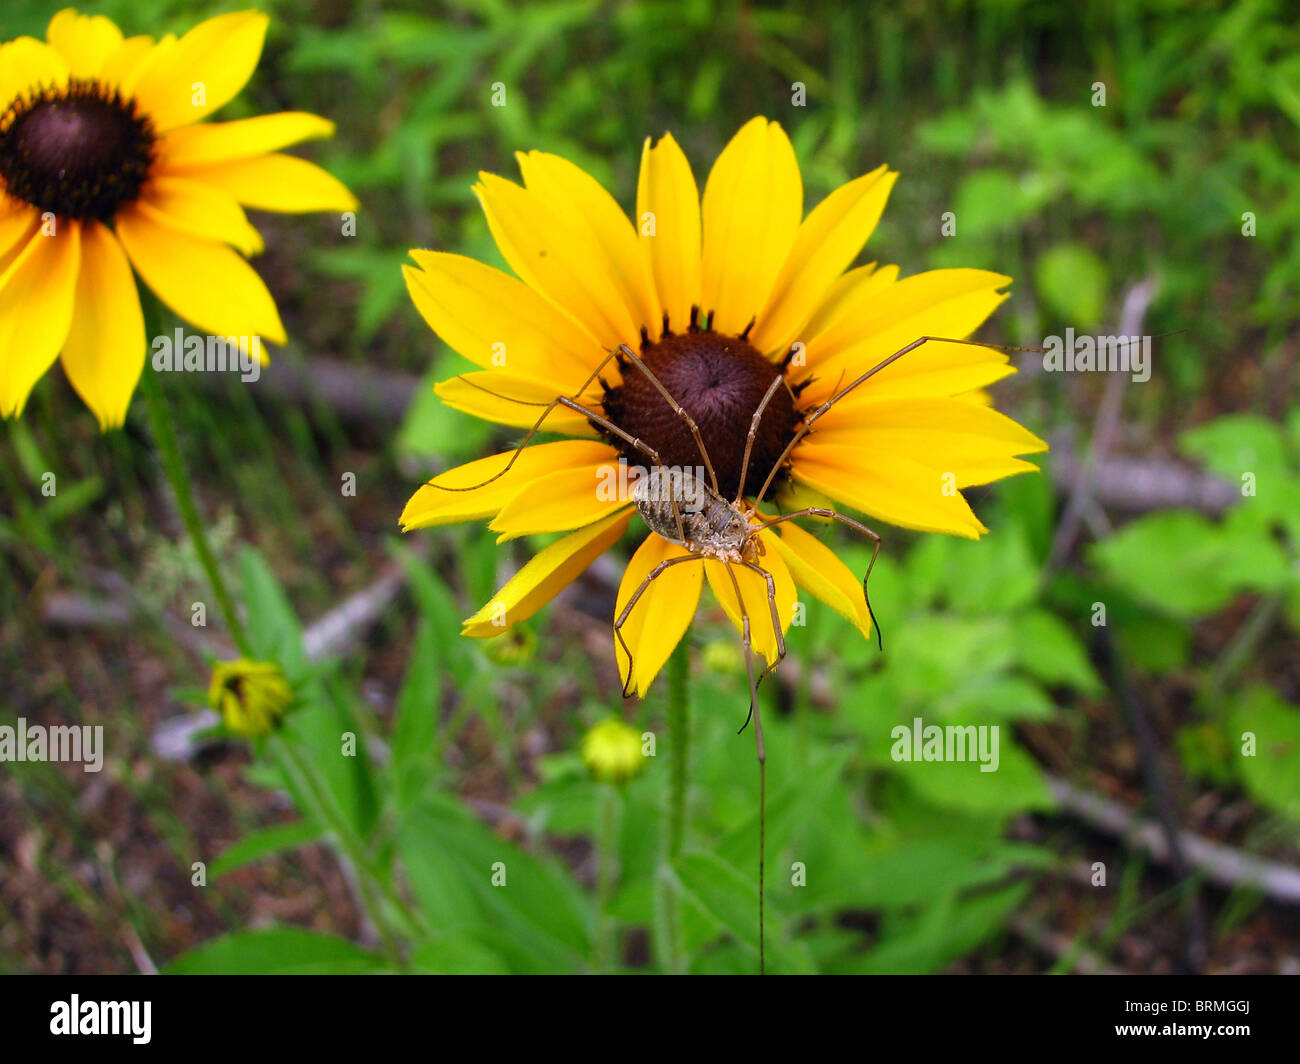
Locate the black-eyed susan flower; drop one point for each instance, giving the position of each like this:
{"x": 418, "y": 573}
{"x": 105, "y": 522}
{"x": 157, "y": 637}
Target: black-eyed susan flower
{"x": 251, "y": 696}
{"x": 720, "y": 297}
{"x": 105, "y": 165}
{"x": 612, "y": 751}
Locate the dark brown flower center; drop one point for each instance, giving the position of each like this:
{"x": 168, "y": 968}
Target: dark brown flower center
{"x": 81, "y": 151}
{"x": 720, "y": 381}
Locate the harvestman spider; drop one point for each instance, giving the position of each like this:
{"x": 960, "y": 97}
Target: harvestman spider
{"x": 718, "y": 530}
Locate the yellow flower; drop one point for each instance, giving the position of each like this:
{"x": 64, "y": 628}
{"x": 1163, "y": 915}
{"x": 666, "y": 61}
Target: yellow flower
{"x": 720, "y": 298}
{"x": 612, "y": 751}
{"x": 105, "y": 165}
{"x": 251, "y": 696}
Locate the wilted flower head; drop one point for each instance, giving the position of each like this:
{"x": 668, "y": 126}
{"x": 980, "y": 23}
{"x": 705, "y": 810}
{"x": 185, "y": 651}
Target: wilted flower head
{"x": 251, "y": 696}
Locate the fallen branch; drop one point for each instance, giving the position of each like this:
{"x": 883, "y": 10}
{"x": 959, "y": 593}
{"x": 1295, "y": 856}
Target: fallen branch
{"x": 1224, "y": 865}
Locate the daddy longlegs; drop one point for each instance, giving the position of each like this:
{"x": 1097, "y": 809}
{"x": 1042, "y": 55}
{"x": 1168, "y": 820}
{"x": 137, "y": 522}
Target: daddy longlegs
{"x": 717, "y": 529}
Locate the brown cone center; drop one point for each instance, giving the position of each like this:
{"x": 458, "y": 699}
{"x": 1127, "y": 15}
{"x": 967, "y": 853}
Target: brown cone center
{"x": 720, "y": 381}
{"x": 79, "y": 152}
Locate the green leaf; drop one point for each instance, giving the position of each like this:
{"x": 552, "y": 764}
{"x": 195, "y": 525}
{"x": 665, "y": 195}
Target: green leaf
{"x": 946, "y": 930}
{"x": 1015, "y": 786}
{"x": 1185, "y": 565}
{"x": 457, "y": 955}
{"x": 995, "y": 575}
{"x": 415, "y": 732}
{"x": 277, "y": 951}
{"x": 272, "y": 624}
{"x": 995, "y": 201}
{"x": 1272, "y": 773}
{"x": 1239, "y": 443}
{"x": 729, "y": 900}
{"x": 1048, "y": 649}
{"x": 541, "y": 920}
{"x": 264, "y": 843}
{"x": 1073, "y": 282}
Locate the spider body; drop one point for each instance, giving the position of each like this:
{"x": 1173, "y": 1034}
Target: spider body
{"x": 680, "y": 507}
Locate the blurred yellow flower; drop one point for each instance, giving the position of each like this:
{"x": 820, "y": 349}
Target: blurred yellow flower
{"x": 251, "y": 696}
{"x": 105, "y": 165}
{"x": 612, "y": 751}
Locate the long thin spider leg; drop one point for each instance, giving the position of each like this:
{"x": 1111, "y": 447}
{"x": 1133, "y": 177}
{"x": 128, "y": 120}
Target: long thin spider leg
{"x": 857, "y": 526}
{"x": 776, "y": 618}
{"x": 677, "y": 409}
{"x": 571, "y": 403}
{"x": 604, "y": 422}
{"x": 537, "y": 425}
{"x": 756, "y": 712}
{"x": 637, "y": 444}
{"x": 840, "y": 393}
{"x": 627, "y": 609}
{"x": 753, "y": 432}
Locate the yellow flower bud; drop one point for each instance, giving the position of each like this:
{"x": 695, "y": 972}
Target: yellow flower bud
{"x": 723, "y": 656}
{"x": 515, "y": 646}
{"x": 251, "y": 696}
{"x": 612, "y": 751}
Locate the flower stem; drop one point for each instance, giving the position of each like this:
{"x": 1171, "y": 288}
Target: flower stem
{"x": 608, "y": 808}
{"x": 679, "y": 722}
{"x": 668, "y": 911}
{"x": 350, "y": 846}
{"x": 165, "y": 435}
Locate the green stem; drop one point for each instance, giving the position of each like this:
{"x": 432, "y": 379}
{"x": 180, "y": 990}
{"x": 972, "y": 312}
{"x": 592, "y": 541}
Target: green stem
{"x": 1241, "y": 648}
{"x": 607, "y": 818}
{"x": 352, "y": 848}
{"x": 667, "y": 909}
{"x": 165, "y": 435}
{"x": 679, "y": 723}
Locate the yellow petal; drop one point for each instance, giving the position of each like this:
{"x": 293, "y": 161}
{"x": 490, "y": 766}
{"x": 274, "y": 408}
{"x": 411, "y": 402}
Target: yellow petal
{"x": 829, "y": 239}
{"x": 496, "y": 321}
{"x": 217, "y": 142}
{"x": 27, "y": 65}
{"x": 600, "y": 230}
{"x": 887, "y": 486}
{"x": 276, "y": 182}
{"x": 105, "y": 349}
{"x": 203, "y": 70}
{"x": 753, "y": 202}
{"x": 546, "y": 254}
{"x": 756, "y": 597}
{"x": 973, "y": 442}
{"x": 818, "y": 570}
{"x": 666, "y": 191}
{"x": 488, "y": 394}
{"x": 661, "y": 615}
{"x": 84, "y": 41}
{"x": 18, "y": 223}
{"x": 545, "y": 575}
{"x": 935, "y": 368}
{"x": 432, "y": 505}
{"x": 846, "y": 292}
{"x": 124, "y": 65}
{"x": 201, "y": 211}
{"x": 205, "y": 283}
{"x": 563, "y": 500}
{"x": 36, "y": 298}
{"x": 943, "y": 303}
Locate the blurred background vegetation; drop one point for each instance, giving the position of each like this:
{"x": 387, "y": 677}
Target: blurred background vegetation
{"x": 1186, "y": 176}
